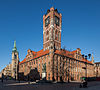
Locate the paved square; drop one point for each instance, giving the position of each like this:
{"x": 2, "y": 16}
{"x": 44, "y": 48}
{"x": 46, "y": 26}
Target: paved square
{"x": 15, "y": 85}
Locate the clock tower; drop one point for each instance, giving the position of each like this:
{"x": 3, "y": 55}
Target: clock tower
{"x": 52, "y": 29}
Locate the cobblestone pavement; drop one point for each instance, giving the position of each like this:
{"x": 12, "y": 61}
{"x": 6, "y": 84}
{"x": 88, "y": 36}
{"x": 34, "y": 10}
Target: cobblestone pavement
{"x": 15, "y": 85}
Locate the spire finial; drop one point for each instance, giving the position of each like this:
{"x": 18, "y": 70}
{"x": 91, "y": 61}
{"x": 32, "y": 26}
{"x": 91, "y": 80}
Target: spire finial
{"x": 14, "y": 43}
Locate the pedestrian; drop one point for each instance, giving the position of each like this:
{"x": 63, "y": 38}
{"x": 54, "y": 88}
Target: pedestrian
{"x": 6, "y": 78}
{"x": 2, "y": 77}
{"x": 81, "y": 84}
{"x": 2, "y": 80}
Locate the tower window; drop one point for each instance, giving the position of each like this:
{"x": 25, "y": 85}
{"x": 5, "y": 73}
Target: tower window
{"x": 57, "y": 20}
{"x": 59, "y": 36}
{"x": 15, "y": 57}
{"x": 47, "y": 21}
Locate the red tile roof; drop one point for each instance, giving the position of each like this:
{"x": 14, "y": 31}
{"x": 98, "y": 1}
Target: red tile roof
{"x": 74, "y": 51}
{"x": 37, "y": 54}
{"x": 63, "y": 52}
{"x": 33, "y": 52}
{"x": 70, "y": 54}
{"x": 23, "y": 61}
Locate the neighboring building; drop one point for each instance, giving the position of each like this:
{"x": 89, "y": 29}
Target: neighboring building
{"x": 59, "y": 64}
{"x": 11, "y": 70}
{"x": 7, "y": 71}
{"x": 97, "y": 69}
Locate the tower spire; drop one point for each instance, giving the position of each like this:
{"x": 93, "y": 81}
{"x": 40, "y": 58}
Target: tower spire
{"x": 14, "y": 43}
{"x": 14, "y": 49}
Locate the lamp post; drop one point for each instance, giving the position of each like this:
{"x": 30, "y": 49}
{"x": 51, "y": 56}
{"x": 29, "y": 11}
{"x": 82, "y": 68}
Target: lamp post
{"x": 29, "y": 73}
{"x": 68, "y": 75}
{"x": 86, "y": 57}
{"x": 69, "y": 71}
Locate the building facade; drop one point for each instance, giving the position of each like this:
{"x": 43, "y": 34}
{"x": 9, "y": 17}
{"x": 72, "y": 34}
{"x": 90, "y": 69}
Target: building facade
{"x": 58, "y": 64}
{"x": 97, "y": 69}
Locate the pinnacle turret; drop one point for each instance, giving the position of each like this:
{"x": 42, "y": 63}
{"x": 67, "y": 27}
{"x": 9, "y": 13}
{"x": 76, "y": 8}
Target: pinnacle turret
{"x": 92, "y": 59}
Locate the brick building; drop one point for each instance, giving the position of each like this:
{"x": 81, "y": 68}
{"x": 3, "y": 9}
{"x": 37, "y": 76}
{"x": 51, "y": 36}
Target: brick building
{"x": 59, "y": 64}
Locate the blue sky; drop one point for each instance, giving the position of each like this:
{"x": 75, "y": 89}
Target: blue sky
{"x": 21, "y": 20}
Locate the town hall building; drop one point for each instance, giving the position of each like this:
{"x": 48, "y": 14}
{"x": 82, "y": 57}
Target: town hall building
{"x": 53, "y": 62}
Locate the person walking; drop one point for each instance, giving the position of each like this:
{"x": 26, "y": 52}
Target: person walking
{"x": 2, "y": 77}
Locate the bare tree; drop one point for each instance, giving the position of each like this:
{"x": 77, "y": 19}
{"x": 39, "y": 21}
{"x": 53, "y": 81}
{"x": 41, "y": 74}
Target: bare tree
{"x": 67, "y": 64}
{"x": 64, "y": 66}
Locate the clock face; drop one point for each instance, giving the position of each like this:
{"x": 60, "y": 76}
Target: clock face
{"x": 57, "y": 20}
{"x": 47, "y": 21}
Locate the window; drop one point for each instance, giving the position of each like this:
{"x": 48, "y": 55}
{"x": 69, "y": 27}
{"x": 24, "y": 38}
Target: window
{"x": 57, "y": 20}
{"x": 49, "y": 63}
{"x": 15, "y": 57}
{"x": 76, "y": 56}
{"x": 47, "y": 21}
{"x": 30, "y": 63}
{"x": 49, "y": 76}
{"x": 59, "y": 36}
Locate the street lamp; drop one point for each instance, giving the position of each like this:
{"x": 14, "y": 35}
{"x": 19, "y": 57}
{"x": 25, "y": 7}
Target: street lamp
{"x": 29, "y": 73}
{"x": 68, "y": 70}
{"x": 86, "y": 57}
{"x": 68, "y": 75}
